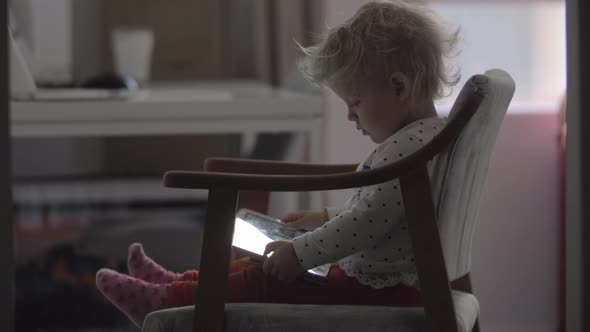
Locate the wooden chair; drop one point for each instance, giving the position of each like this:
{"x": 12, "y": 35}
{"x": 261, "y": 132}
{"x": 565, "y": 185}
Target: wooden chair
{"x": 441, "y": 207}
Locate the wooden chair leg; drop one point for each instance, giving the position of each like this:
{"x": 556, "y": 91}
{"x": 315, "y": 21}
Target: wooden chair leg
{"x": 216, "y": 250}
{"x": 430, "y": 263}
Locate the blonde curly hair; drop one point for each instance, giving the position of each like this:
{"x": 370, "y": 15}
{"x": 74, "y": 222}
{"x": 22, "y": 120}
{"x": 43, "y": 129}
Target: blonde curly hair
{"x": 382, "y": 38}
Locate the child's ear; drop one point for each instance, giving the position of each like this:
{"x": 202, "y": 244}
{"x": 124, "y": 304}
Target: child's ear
{"x": 400, "y": 84}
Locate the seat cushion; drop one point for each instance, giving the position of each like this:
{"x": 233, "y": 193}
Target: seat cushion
{"x": 261, "y": 317}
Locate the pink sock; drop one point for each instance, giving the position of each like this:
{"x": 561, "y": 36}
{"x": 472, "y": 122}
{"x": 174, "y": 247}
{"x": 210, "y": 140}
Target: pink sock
{"x": 142, "y": 267}
{"x": 134, "y": 297}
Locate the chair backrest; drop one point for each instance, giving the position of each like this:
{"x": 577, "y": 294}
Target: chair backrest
{"x": 459, "y": 172}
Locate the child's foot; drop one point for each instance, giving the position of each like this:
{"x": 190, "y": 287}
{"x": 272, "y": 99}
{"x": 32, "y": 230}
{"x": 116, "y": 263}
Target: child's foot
{"x": 142, "y": 267}
{"x": 134, "y": 297}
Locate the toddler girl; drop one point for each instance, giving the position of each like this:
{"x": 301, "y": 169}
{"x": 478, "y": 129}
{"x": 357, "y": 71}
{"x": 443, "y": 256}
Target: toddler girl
{"x": 386, "y": 64}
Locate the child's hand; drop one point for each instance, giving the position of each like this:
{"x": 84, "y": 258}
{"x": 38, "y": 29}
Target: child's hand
{"x": 283, "y": 263}
{"x": 308, "y": 220}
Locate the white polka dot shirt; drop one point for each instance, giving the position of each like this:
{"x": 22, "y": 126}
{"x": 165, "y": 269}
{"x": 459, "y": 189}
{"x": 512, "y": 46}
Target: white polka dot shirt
{"x": 368, "y": 236}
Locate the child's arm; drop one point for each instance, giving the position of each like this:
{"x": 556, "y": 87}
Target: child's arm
{"x": 310, "y": 220}
{"x": 370, "y": 218}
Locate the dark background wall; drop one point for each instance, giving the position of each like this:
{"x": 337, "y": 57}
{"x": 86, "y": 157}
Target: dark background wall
{"x": 578, "y": 166}
{"x": 6, "y": 248}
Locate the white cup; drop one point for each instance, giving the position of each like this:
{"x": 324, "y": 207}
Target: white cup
{"x": 132, "y": 51}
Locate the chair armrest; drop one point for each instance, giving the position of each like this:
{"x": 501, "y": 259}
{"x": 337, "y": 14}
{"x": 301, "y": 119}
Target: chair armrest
{"x": 268, "y": 167}
{"x": 258, "y": 200}
{"x": 211, "y": 180}
{"x": 279, "y": 182}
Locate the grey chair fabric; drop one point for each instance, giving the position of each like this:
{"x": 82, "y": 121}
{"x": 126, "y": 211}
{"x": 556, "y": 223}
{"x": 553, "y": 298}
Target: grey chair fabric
{"x": 460, "y": 172}
{"x": 263, "y": 317}
{"x": 458, "y": 178}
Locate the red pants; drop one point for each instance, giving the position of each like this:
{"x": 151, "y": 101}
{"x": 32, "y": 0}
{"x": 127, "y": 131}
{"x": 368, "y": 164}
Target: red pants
{"x": 247, "y": 283}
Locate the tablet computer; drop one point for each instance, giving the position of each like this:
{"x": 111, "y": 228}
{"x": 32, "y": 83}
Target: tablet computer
{"x": 253, "y": 231}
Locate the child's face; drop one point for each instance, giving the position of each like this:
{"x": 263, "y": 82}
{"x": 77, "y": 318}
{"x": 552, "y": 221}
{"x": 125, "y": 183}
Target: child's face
{"x": 377, "y": 113}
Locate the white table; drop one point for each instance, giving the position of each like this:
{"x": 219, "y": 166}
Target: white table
{"x": 204, "y": 108}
